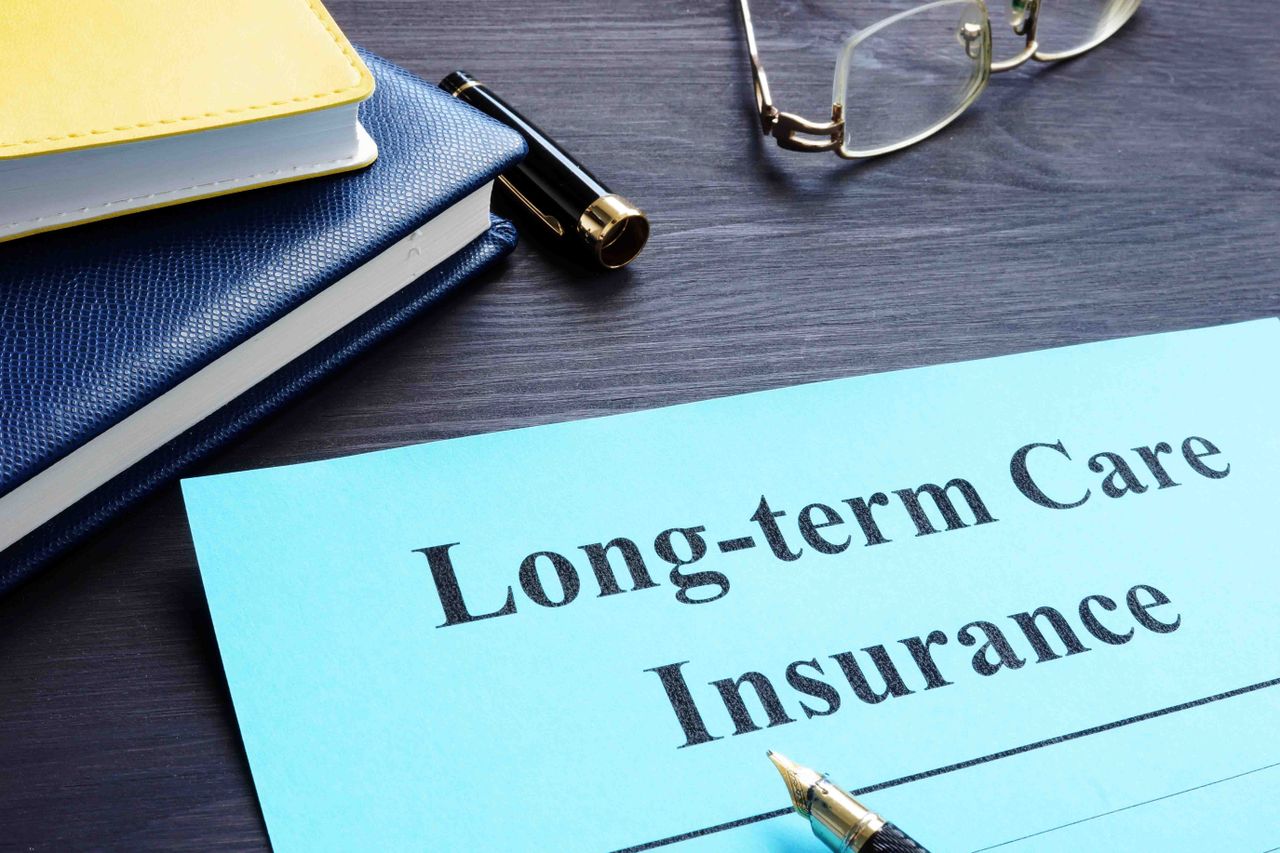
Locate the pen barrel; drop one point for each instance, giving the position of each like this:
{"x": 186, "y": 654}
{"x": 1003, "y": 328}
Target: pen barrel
{"x": 572, "y": 204}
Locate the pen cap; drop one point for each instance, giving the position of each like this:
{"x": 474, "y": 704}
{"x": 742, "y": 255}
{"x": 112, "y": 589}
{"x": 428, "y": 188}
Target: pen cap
{"x": 572, "y": 204}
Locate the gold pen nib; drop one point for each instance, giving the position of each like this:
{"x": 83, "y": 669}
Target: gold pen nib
{"x": 799, "y": 780}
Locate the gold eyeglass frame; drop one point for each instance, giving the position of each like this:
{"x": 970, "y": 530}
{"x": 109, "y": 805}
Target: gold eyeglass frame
{"x": 796, "y": 133}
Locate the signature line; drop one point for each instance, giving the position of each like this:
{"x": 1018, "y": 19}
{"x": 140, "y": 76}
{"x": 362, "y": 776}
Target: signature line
{"x": 972, "y": 762}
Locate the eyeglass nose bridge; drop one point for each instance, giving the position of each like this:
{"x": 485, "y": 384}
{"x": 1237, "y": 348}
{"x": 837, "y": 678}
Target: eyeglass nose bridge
{"x": 1025, "y": 25}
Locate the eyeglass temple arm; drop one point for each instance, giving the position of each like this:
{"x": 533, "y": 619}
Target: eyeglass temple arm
{"x": 1025, "y": 27}
{"x": 786, "y": 127}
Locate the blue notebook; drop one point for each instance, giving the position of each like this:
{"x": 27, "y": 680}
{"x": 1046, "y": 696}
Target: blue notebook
{"x": 131, "y": 348}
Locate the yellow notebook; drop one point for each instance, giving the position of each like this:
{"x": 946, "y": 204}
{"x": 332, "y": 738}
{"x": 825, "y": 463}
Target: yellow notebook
{"x": 113, "y": 106}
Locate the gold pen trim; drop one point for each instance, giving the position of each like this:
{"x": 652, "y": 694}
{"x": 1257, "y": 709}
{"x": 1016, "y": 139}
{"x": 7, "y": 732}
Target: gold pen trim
{"x": 470, "y": 84}
{"x": 547, "y": 220}
{"x": 616, "y": 230}
{"x": 866, "y": 828}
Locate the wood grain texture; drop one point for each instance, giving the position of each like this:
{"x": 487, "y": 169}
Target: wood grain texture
{"x": 1131, "y": 191}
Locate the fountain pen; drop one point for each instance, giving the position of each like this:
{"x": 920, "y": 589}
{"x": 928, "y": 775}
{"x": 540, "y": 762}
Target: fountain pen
{"x": 843, "y": 823}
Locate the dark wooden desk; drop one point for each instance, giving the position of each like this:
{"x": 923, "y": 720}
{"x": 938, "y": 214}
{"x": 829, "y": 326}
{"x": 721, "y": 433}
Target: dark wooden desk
{"x": 1131, "y": 191}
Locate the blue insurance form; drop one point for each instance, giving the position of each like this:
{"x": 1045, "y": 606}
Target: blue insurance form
{"x": 1021, "y": 604}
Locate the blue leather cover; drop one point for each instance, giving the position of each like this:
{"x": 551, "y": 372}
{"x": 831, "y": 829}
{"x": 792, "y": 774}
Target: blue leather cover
{"x": 97, "y": 321}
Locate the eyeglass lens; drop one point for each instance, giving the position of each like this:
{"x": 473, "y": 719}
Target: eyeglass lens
{"x": 1066, "y": 27}
{"x": 911, "y": 74}
{"x": 905, "y": 77}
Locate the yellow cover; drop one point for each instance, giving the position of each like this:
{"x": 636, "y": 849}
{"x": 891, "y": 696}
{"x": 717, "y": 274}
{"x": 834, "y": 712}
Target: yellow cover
{"x": 85, "y": 73}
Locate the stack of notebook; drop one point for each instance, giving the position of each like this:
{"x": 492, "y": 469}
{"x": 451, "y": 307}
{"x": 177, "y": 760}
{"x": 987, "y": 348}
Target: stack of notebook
{"x": 133, "y": 346}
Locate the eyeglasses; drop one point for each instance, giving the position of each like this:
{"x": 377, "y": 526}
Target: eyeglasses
{"x": 905, "y": 78}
